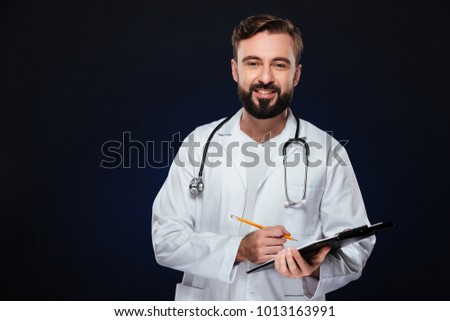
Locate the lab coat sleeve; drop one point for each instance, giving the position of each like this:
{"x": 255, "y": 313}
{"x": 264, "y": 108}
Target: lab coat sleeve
{"x": 176, "y": 242}
{"x": 341, "y": 207}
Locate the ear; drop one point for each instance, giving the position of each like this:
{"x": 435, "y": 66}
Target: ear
{"x": 298, "y": 72}
{"x": 234, "y": 70}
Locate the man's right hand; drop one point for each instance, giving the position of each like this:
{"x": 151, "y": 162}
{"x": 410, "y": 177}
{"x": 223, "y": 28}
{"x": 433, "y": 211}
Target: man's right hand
{"x": 262, "y": 245}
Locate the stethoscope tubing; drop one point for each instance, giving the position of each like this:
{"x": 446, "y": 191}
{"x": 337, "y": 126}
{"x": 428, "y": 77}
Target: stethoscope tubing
{"x": 196, "y": 185}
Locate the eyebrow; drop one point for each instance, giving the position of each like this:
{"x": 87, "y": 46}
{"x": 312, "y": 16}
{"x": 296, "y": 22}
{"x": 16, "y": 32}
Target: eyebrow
{"x": 284, "y": 59}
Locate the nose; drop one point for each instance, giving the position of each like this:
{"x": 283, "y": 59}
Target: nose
{"x": 266, "y": 76}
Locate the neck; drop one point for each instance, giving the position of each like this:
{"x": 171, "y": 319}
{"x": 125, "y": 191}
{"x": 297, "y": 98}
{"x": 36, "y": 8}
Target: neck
{"x": 261, "y": 130}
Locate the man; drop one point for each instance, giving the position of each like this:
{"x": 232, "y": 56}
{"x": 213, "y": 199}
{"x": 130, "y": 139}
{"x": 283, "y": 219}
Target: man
{"x": 244, "y": 176}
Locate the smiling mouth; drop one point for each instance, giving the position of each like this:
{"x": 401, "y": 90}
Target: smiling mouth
{"x": 264, "y": 93}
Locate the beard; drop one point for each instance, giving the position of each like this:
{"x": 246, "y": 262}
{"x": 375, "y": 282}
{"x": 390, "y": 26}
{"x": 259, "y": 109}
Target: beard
{"x": 263, "y": 110}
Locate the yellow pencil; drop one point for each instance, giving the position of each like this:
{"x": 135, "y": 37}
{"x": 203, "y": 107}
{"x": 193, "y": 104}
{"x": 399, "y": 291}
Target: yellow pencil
{"x": 243, "y": 220}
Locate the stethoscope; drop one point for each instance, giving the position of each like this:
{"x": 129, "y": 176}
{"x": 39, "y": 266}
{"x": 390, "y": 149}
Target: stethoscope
{"x": 197, "y": 186}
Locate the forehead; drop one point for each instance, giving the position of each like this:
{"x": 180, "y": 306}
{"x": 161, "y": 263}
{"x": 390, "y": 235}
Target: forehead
{"x": 267, "y": 45}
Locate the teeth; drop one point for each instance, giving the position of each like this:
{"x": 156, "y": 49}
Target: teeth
{"x": 264, "y": 92}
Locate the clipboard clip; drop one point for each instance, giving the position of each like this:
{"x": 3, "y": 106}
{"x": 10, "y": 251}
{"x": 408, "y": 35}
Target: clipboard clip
{"x": 350, "y": 232}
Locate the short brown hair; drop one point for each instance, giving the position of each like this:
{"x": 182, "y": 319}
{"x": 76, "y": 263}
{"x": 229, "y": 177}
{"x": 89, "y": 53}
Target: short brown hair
{"x": 252, "y": 25}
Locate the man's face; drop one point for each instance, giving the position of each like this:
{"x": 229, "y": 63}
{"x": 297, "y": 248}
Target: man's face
{"x": 266, "y": 73}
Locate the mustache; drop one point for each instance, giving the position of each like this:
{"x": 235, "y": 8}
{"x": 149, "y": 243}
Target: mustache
{"x": 270, "y": 86}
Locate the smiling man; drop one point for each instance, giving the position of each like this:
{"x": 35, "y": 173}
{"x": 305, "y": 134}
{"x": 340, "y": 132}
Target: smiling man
{"x": 191, "y": 226}
{"x": 268, "y": 68}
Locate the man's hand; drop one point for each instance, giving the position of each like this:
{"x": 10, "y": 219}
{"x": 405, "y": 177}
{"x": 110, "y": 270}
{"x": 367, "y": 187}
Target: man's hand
{"x": 291, "y": 264}
{"x": 262, "y": 245}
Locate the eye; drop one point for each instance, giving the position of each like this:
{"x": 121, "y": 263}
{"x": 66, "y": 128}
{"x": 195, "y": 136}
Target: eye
{"x": 280, "y": 65}
{"x": 252, "y": 63}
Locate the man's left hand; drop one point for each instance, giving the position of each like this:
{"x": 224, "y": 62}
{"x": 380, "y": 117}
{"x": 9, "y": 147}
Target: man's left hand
{"x": 291, "y": 264}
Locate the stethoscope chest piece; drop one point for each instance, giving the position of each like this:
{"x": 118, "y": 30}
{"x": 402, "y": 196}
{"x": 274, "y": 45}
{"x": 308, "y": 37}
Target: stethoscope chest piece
{"x": 196, "y": 186}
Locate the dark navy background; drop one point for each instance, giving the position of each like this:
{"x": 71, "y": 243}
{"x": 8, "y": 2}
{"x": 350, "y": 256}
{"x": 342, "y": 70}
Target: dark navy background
{"x": 75, "y": 74}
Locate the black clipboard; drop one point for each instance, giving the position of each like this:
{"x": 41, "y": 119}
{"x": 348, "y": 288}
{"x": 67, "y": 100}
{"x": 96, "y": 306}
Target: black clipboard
{"x": 341, "y": 239}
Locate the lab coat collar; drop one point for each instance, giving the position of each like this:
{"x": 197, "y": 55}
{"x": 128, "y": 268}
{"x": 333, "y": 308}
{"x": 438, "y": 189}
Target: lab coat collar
{"x": 231, "y": 133}
{"x": 233, "y": 125}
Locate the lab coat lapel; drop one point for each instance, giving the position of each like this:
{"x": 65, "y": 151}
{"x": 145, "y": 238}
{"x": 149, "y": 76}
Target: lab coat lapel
{"x": 231, "y": 143}
{"x": 276, "y": 152}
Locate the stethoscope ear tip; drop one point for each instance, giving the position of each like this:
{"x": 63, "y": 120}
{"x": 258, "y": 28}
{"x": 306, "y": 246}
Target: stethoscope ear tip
{"x": 286, "y": 204}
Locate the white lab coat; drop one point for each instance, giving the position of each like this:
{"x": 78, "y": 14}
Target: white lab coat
{"x": 197, "y": 236}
